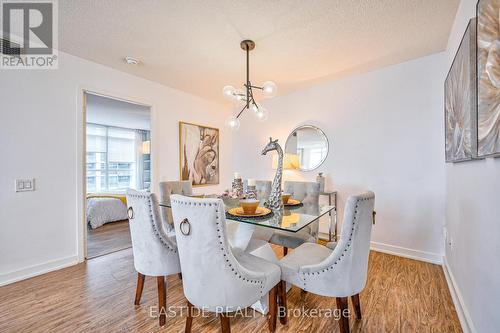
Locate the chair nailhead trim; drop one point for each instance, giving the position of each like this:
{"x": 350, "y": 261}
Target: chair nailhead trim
{"x": 151, "y": 216}
{"x": 349, "y": 243}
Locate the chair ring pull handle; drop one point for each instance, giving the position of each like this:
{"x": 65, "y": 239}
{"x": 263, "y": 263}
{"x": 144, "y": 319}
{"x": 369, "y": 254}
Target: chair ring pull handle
{"x": 130, "y": 213}
{"x": 185, "y": 227}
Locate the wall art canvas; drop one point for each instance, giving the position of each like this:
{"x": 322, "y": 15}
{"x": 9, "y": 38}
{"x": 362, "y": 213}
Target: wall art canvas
{"x": 199, "y": 154}
{"x": 460, "y": 101}
{"x": 488, "y": 77}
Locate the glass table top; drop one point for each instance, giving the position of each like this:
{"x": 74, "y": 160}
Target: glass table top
{"x": 290, "y": 219}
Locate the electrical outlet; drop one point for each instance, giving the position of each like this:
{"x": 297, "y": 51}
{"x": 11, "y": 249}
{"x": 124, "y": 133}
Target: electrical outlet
{"x": 24, "y": 185}
{"x": 447, "y": 238}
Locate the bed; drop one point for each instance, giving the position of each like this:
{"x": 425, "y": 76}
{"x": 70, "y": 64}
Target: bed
{"x": 105, "y": 209}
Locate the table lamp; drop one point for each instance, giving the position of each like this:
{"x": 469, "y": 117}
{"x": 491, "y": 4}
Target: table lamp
{"x": 290, "y": 161}
{"x": 146, "y": 147}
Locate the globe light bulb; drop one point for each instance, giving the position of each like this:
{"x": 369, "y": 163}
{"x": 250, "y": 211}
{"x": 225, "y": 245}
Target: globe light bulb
{"x": 255, "y": 107}
{"x": 261, "y": 113}
{"x": 240, "y": 95}
{"x": 228, "y": 92}
{"x": 269, "y": 89}
{"x": 233, "y": 123}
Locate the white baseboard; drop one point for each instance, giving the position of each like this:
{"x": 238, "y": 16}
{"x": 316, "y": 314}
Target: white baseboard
{"x": 456, "y": 295}
{"x": 31, "y": 271}
{"x": 433, "y": 258}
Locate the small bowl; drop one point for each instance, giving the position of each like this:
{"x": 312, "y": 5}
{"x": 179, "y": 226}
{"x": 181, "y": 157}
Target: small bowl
{"x": 285, "y": 197}
{"x": 231, "y": 202}
{"x": 249, "y": 205}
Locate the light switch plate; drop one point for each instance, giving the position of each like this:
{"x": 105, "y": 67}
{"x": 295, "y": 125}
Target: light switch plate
{"x": 24, "y": 185}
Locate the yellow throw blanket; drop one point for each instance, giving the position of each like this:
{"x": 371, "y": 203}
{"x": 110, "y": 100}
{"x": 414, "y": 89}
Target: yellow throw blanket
{"x": 122, "y": 197}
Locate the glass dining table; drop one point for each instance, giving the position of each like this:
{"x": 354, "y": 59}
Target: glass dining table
{"x": 290, "y": 219}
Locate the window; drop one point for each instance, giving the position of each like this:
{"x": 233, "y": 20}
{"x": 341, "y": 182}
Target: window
{"x": 114, "y": 159}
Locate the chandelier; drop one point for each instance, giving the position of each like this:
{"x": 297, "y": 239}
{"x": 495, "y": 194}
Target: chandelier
{"x": 246, "y": 95}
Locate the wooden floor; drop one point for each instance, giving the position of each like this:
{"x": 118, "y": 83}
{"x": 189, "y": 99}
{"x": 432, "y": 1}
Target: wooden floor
{"x": 109, "y": 238}
{"x": 402, "y": 295}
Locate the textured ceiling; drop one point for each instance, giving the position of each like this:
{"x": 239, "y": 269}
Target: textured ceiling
{"x": 194, "y": 45}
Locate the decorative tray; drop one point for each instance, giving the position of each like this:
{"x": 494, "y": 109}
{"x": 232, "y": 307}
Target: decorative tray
{"x": 245, "y": 218}
{"x": 238, "y": 211}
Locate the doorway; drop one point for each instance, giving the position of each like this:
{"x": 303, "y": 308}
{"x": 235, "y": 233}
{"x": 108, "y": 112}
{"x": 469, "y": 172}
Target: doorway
{"x": 117, "y": 158}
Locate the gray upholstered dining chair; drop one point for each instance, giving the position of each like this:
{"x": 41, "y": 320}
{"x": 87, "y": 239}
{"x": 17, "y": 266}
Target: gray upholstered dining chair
{"x": 263, "y": 188}
{"x": 340, "y": 272}
{"x": 216, "y": 277}
{"x": 155, "y": 252}
{"x": 166, "y": 190}
{"x": 308, "y": 193}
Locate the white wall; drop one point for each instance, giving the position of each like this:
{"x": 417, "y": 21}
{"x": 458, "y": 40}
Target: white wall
{"x": 112, "y": 112}
{"x": 386, "y": 134}
{"x": 41, "y": 133}
{"x": 473, "y": 222}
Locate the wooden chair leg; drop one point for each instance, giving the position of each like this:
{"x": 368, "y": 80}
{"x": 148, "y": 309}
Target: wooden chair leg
{"x": 189, "y": 318}
{"x": 273, "y": 308}
{"x": 162, "y": 300}
{"x": 224, "y": 323}
{"x": 303, "y": 294}
{"x": 140, "y": 286}
{"x": 285, "y": 251}
{"x": 356, "y": 305}
{"x": 282, "y": 311}
{"x": 344, "y": 320}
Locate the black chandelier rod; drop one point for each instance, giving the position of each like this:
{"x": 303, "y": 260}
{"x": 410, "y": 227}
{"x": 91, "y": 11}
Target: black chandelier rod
{"x": 247, "y": 85}
{"x": 248, "y": 77}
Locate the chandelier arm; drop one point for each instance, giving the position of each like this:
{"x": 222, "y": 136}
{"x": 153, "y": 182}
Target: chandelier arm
{"x": 239, "y": 114}
{"x": 252, "y": 100}
{"x": 257, "y": 87}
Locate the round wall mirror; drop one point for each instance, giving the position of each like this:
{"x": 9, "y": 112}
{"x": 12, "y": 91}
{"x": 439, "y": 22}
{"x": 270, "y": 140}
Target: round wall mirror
{"x": 310, "y": 144}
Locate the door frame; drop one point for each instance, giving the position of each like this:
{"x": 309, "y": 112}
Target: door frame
{"x": 82, "y": 157}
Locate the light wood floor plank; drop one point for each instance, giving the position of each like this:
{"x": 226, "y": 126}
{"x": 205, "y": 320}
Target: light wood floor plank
{"x": 111, "y": 237}
{"x": 402, "y": 295}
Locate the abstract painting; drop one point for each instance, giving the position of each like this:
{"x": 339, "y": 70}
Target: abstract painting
{"x": 199, "y": 154}
{"x": 460, "y": 101}
{"x": 488, "y": 77}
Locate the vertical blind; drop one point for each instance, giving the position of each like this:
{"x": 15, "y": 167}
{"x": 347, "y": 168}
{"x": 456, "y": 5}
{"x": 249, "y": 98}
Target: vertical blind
{"x": 114, "y": 159}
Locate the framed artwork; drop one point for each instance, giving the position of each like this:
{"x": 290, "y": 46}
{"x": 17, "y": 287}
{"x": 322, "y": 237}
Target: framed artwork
{"x": 488, "y": 78}
{"x": 460, "y": 101}
{"x": 199, "y": 154}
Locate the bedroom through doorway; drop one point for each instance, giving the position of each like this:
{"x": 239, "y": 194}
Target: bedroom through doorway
{"x": 117, "y": 158}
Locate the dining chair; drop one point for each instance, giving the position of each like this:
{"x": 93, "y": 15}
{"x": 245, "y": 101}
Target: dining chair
{"x": 307, "y": 193}
{"x": 168, "y": 188}
{"x": 263, "y": 188}
{"x": 155, "y": 252}
{"x": 341, "y": 272}
{"x": 217, "y": 278}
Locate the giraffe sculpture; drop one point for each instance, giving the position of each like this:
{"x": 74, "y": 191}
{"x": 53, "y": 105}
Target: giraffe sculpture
{"x": 275, "y": 202}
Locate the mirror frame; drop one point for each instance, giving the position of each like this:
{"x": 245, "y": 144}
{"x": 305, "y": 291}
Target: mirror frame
{"x": 322, "y": 133}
